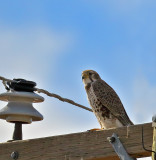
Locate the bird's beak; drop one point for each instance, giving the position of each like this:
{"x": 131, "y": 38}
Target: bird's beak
{"x": 85, "y": 76}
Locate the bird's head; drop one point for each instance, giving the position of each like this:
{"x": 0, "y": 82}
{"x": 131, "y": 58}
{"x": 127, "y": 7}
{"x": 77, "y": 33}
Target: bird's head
{"x": 89, "y": 76}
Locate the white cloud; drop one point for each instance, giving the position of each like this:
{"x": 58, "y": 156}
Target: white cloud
{"x": 144, "y": 100}
{"x": 30, "y": 53}
{"x": 34, "y": 40}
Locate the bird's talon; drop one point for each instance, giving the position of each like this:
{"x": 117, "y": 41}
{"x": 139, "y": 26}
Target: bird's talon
{"x": 94, "y": 129}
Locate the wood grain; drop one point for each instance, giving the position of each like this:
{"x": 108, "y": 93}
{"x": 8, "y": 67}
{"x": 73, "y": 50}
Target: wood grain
{"x": 91, "y": 145}
{"x": 154, "y": 140}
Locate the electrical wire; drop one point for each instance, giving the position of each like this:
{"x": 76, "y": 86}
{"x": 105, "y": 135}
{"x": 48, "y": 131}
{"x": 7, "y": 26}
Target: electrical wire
{"x": 4, "y": 80}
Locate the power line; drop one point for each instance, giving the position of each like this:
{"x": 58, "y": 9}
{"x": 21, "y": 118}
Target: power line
{"x": 4, "y": 80}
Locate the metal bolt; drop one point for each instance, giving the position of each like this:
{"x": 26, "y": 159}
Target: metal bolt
{"x": 111, "y": 139}
{"x": 154, "y": 118}
{"x": 14, "y": 155}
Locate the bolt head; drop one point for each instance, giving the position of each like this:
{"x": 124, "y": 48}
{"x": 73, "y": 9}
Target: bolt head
{"x": 154, "y": 118}
{"x": 111, "y": 139}
{"x": 14, "y": 155}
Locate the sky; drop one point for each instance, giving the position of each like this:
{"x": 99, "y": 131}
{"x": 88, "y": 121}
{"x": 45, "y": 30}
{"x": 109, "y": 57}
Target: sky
{"x": 51, "y": 42}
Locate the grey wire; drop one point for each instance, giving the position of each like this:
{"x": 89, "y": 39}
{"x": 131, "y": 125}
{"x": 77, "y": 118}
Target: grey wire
{"x": 4, "y": 80}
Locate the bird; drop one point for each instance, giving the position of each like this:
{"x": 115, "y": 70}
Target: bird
{"x": 104, "y": 101}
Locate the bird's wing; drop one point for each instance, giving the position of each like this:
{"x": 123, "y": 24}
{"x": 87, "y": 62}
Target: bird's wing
{"x": 111, "y": 101}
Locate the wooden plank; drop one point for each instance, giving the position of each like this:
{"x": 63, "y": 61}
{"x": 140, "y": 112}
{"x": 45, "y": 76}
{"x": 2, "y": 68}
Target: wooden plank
{"x": 81, "y": 146}
{"x": 154, "y": 140}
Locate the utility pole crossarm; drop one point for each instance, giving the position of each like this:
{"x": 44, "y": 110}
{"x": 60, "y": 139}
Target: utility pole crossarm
{"x": 91, "y": 145}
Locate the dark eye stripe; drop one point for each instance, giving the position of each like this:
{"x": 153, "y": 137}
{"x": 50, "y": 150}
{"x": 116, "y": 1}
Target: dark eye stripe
{"x": 83, "y": 77}
{"x": 90, "y": 74}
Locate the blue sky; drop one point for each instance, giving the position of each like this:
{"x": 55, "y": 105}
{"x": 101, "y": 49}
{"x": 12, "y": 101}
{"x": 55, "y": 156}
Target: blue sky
{"x": 52, "y": 42}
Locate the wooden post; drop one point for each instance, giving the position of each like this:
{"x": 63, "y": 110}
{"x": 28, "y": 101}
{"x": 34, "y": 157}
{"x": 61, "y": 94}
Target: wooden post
{"x": 91, "y": 145}
{"x": 154, "y": 143}
{"x": 154, "y": 137}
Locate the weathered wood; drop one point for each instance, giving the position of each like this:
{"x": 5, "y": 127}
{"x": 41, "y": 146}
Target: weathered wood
{"x": 91, "y": 145}
{"x": 154, "y": 140}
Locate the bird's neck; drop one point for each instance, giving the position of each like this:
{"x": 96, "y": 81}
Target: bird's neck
{"x": 88, "y": 85}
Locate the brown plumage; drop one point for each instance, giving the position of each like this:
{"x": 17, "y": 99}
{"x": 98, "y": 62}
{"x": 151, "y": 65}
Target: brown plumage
{"x": 104, "y": 101}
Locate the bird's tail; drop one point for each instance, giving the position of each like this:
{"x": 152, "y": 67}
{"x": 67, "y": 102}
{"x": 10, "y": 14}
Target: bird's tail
{"x": 125, "y": 120}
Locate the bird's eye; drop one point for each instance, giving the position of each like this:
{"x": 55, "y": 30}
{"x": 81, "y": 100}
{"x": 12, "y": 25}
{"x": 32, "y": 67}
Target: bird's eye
{"x": 83, "y": 77}
{"x": 90, "y": 73}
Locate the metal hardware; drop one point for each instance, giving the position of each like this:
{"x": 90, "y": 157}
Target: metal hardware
{"x": 154, "y": 118}
{"x": 14, "y": 155}
{"x": 19, "y": 109}
{"x": 119, "y": 148}
{"x": 21, "y": 85}
{"x": 111, "y": 139}
{"x": 17, "y": 135}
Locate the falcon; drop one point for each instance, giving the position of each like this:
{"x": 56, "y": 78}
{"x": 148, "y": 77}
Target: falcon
{"x": 104, "y": 101}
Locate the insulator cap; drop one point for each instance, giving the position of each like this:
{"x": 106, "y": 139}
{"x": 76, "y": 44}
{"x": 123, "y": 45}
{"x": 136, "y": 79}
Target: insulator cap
{"x": 22, "y": 85}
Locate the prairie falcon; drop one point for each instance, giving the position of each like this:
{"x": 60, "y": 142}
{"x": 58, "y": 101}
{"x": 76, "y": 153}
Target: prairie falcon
{"x": 104, "y": 101}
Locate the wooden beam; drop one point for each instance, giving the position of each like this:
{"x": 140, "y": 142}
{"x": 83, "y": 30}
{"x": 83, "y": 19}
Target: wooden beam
{"x": 154, "y": 140}
{"x": 91, "y": 145}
